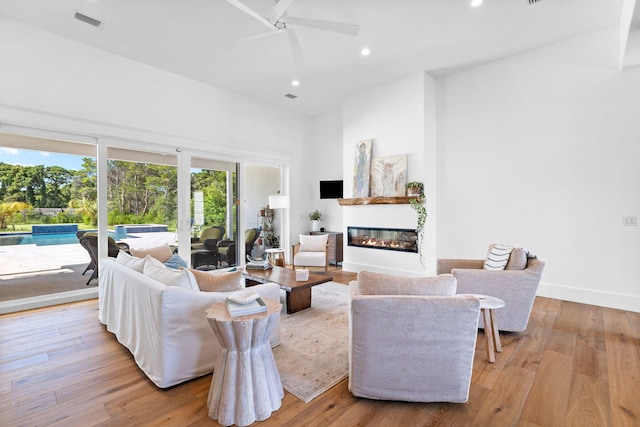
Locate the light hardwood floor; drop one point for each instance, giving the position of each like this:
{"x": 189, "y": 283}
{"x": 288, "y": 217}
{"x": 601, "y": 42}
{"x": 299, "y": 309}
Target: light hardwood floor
{"x": 575, "y": 365}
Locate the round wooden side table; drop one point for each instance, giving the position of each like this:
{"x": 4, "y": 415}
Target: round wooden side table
{"x": 491, "y": 333}
{"x": 246, "y": 385}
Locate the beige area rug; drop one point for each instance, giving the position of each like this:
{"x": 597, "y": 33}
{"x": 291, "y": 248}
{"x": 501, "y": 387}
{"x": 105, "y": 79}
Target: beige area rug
{"x": 312, "y": 355}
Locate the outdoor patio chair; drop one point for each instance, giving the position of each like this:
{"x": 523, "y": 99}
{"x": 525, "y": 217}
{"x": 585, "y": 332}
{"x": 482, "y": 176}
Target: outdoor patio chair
{"x": 89, "y": 241}
{"x": 205, "y": 251}
{"x": 227, "y": 248}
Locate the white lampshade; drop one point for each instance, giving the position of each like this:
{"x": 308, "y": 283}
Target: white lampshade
{"x": 278, "y": 202}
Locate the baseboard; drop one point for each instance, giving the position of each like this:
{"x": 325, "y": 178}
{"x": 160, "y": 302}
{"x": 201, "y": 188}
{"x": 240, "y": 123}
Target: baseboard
{"x": 588, "y": 296}
{"x": 47, "y": 300}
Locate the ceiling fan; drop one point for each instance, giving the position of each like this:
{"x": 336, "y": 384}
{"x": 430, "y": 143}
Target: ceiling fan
{"x": 278, "y": 23}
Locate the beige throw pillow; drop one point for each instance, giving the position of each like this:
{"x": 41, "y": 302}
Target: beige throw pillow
{"x": 211, "y": 282}
{"x": 517, "y": 260}
{"x": 313, "y": 243}
{"x": 161, "y": 253}
{"x": 370, "y": 283}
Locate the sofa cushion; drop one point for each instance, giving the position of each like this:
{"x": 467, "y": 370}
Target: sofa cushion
{"x": 161, "y": 253}
{"x": 370, "y": 283}
{"x": 132, "y": 262}
{"x": 310, "y": 259}
{"x": 168, "y": 276}
{"x": 218, "y": 282}
{"x": 314, "y": 243}
{"x": 175, "y": 261}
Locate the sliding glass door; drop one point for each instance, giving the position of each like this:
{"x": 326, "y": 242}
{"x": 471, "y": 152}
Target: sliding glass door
{"x": 142, "y": 197}
{"x": 214, "y": 213}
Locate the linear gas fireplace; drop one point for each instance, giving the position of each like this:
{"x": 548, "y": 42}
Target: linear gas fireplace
{"x": 392, "y": 239}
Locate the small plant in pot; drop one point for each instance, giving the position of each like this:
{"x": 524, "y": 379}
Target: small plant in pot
{"x": 414, "y": 188}
{"x": 315, "y": 217}
{"x": 271, "y": 240}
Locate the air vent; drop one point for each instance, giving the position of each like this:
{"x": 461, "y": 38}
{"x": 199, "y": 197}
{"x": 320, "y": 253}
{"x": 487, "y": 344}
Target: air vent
{"x": 533, "y": 1}
{"x": 291, "y": 96}
{"x": 87, "y": 19}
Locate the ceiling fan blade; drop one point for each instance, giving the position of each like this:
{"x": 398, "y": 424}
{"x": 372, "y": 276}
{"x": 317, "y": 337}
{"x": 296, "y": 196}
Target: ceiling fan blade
{"x": 251, "y": 13}
{"x": 279, "y": 10}
{"x": 295, "y": 46}
{"x": 260, "y": 35}
{"x": 337, "y": 27}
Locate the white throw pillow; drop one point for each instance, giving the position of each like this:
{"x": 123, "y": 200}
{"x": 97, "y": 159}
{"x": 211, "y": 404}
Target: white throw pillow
{"x": 498, "y": 257}
{"x": 314, "y": 243}
{"x": 168, "y": 276}
{"x": 132, "y": 262}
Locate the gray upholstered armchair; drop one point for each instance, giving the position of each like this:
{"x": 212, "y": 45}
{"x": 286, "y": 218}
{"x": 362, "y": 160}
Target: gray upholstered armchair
{"x": 411, "y": 339}
{"x": 517, "y": 285}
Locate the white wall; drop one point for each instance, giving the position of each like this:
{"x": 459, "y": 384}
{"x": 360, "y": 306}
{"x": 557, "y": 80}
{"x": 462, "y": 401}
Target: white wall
{"x": 400, "y": 118}
{"x": 326, "y": 163}
{"x": 53, "y": 83}
{"x": 542, "y": 150}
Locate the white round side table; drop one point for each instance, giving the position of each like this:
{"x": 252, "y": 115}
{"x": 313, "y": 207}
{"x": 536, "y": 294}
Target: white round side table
{"x": 276, "y": 256}
{"x": 246, "y": 385}
{"x": 491, "y": 333}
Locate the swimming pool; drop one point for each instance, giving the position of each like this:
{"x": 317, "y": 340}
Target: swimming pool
{"x": 43, "y": 239}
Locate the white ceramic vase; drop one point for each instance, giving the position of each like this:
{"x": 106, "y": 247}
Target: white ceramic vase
{"x": 315, "y": 225}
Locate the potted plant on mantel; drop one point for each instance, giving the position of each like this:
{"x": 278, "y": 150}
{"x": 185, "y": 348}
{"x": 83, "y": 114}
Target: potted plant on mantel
{"x": 418, "y": 203}
{"x": 315, "y": 217}
{"x": 414, "y": 188}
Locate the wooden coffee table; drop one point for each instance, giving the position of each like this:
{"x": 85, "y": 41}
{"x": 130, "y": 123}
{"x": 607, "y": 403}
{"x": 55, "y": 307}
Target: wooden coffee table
{"x": 298, "y": 295}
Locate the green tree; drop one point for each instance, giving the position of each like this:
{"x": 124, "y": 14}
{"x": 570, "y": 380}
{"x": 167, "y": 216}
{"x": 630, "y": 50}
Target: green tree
{"x": 85, "y": 180}
{"x": 213, "y": 185}
{"x": 28, "y": 186}
{"x": 8, "y": 212}
{"x": 7, "y": 172}
{"x": 57, "y": 182}
{"x": 87, "y": 208}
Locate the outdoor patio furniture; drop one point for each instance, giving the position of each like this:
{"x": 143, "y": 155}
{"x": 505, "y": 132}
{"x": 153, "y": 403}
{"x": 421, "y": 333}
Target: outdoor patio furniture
{"x": 205, "y": 250}
{"x": 89, "y": 241}
{"x": 227, "y": 248}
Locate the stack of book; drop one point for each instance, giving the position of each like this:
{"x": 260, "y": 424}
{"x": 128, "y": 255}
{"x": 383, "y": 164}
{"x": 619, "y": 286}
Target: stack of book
{"x": 256, "y": 306}
{"x": 258, "y": 265}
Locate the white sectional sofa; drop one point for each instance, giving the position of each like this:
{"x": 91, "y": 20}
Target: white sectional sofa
{"x": 164, "y": 327}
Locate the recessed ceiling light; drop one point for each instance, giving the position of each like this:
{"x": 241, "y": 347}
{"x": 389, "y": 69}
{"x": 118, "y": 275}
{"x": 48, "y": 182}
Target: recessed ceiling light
{"x": 295, "y": 83}
{"x": 365, "y": 51}
{"x": 476, "y": 3}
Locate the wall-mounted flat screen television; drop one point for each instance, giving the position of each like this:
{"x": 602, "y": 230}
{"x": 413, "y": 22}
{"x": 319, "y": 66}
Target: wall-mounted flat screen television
{"x": 331, "y": 189}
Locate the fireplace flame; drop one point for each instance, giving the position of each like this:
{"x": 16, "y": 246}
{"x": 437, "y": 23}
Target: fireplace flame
{"x": 404, "y": 240}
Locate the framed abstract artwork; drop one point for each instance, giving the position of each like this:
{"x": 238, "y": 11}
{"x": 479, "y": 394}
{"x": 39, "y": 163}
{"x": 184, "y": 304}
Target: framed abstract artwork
{"x": 388, "y": 176}
{"x": 362, "y": 168}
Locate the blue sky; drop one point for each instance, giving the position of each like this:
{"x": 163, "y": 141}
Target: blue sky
{"x": 15, "y": 156}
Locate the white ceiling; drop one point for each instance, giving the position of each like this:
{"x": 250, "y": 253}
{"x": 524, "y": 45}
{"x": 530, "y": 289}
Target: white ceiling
{"x": 199, "y": 39}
